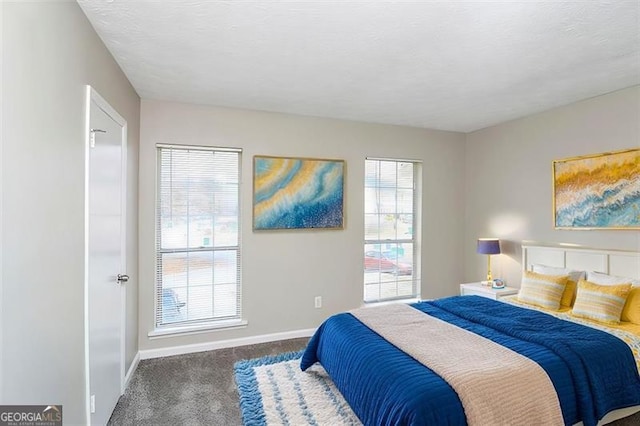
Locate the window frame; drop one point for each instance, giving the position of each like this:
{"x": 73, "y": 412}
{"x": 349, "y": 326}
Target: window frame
{"x": 206, "y": 324}
{"x": 416, "y": 233}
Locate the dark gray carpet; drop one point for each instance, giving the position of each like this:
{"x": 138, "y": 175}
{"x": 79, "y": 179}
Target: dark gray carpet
{"x": 199, "y": 389}
{"x": 194, "y": 389}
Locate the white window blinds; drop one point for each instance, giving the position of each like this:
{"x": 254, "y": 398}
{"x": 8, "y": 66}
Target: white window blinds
{"x": 197, "y": 236}
{"x": 391, "y": 219}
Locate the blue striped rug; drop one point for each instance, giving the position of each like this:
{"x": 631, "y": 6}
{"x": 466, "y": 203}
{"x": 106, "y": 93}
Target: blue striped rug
{"x": 274, "y": 391}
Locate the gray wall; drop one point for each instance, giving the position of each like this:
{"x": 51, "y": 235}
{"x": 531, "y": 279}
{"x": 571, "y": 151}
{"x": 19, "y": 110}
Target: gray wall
{"x": 50, "y": 51}
{"x": 509, "y": 184}
{"x": 283, "y": 271}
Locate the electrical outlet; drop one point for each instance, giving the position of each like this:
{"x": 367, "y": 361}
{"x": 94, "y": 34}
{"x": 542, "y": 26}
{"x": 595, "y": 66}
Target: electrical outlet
{"x": 93, "y": 404}
{"x": 318, "y": 302}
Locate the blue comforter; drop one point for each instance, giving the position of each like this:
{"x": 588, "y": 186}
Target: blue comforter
{"x": 592, "y": 371}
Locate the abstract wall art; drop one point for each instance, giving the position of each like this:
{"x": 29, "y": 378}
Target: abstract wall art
{"x": 600, "y": 191}
{"x": 297, "y": 193}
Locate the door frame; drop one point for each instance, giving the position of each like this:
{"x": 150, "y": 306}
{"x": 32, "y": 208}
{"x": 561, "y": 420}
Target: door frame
{"x": 92, "y": 95}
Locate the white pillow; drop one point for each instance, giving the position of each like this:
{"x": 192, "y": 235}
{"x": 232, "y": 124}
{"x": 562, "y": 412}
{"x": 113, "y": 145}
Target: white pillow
{"x": 604, "y": 279}
{"x": 574, "y": 275}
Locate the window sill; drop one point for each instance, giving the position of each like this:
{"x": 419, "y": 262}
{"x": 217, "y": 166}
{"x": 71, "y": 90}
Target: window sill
{"x": 390, "y": 302}
{"x": 186, "y": 330}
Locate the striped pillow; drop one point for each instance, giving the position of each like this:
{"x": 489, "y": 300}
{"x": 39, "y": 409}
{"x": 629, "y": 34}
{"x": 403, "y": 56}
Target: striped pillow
{"x": 602, "y": 303}
{"x": 575, "y": 275}
{"x": 542, "y": 290}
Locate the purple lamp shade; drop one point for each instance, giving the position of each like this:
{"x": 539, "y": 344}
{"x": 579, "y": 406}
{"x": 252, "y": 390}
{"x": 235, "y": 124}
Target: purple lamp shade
{"x": 488, "y": 246}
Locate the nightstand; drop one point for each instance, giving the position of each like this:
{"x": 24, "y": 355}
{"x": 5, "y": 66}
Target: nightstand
{"x": 477, "y": 289}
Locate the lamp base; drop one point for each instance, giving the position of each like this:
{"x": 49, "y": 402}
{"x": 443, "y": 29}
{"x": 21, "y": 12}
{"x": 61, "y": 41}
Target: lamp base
{"x": 487, "y": 283}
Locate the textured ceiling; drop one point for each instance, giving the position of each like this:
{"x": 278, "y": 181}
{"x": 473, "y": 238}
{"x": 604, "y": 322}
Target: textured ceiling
{"x": 449, "y": 65}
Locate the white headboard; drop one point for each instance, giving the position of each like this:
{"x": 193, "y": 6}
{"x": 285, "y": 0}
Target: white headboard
{"x": 624, "y": 263}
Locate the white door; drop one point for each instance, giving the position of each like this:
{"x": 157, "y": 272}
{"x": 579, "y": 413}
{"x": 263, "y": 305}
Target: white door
{"x": 105, "y": 257}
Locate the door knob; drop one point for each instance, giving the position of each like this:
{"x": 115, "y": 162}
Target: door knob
{"x": 123, "y": 278}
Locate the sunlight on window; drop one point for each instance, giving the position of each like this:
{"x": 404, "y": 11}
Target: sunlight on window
{"x": 390, "y": 248}
{"x": 198, "y": 253}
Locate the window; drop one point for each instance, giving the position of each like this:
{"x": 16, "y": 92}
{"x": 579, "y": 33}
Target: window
{"x": 391, "y": 203}
{"x": 197, "y": 236}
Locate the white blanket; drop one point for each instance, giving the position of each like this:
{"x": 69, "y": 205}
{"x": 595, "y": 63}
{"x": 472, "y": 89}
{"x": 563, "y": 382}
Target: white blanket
{"x": 496, "y": 385}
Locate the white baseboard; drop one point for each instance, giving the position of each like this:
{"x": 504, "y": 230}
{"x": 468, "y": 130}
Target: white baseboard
{"x": 223, "y": 344}
{"x": 132, "y": 369}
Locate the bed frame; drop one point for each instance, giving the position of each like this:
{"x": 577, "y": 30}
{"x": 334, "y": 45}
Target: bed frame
{"x": 625, "y": 263}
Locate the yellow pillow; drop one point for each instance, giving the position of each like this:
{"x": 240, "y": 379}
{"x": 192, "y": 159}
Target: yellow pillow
{"x": 569, "y": 294}
{"x": 631, "y": 310}
{"x": 602, "y": 303}
{"x": 542, "y": 290}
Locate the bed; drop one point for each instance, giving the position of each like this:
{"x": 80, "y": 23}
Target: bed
{"x": 520, "y": 362}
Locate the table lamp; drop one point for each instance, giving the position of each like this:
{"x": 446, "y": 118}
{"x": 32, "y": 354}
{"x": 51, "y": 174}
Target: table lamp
{"x": 488, "y": 246}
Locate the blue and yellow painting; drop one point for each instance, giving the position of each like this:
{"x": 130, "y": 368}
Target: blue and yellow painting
{"x": 297, "y": 193}
{"x": 600, "y": 191}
